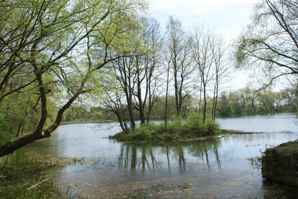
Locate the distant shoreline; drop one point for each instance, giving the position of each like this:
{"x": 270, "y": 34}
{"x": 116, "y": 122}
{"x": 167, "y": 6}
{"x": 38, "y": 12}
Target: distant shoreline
{"x": 87, "y": 122}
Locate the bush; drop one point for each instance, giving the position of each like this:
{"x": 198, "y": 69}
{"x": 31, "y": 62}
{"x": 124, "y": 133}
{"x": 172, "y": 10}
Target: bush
{"x": 211, "y": 126}
{"x": 177, "y": 123}
{"x": 195, "y": 121}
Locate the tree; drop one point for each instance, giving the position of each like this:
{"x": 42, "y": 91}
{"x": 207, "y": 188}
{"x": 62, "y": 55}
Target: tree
{"x": 136, "y": 73}
{"x": 114, "y": 100}
{"x": 146, "y": 66}
{"x": 49, "y": 46}
{"x": 153, "y": 44}
{"x": 220, "y": 72}
{"x": 272, "y": 39}
{"x": 179, "y": 49}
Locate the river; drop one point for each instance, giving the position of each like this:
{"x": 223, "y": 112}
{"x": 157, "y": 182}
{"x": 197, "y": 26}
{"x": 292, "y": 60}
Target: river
{"x": 228, "y": 167}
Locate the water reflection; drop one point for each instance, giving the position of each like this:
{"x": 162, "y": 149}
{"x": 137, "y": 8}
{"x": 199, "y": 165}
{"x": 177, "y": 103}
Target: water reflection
{"x": 206, "y": 151}
{"x": 146, "y": 157}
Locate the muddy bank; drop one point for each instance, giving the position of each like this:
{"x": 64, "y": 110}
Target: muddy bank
{"x": 280, "y": 164}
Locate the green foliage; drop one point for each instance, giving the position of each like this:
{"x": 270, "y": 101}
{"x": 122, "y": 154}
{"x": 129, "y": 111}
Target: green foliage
{"x": 195, "y": 121}
{"x": 177, "y": 122}
{"x": 250, "y": 102}
{"x": 46, "y": 63}
{"x": 81, "y": 114}
{"x": 4, "y": 129}
{"x": 240, "y": 55}
{"x": 19, "y": 114}
{"x": 211, "y": 126}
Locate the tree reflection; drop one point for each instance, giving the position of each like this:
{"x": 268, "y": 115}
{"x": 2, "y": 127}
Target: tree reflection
{"x": 135, "y": 157}
{"x": 206, "y": 151}
{"x": 146, "y": 157}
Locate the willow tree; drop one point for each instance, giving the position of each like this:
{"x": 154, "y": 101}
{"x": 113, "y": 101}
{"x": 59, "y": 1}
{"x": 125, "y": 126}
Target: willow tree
{"x": 53, "y": 49}
{"x": 271, "y": 40}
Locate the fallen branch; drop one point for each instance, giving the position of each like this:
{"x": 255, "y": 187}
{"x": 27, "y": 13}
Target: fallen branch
{"x": 36, "y": 185}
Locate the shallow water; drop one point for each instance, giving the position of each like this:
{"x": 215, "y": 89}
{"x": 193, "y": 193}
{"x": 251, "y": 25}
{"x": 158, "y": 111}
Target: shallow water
{"x": 227, "y": 167}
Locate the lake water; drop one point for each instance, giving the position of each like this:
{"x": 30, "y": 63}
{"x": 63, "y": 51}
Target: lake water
{"x": 227, "y": 167}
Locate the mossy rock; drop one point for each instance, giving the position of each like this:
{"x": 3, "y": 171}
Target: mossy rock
{"x": 280, "y": 164}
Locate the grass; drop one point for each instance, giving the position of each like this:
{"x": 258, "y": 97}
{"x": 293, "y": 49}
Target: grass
{"x": 29, "y": 175}
{"x": 176, "y": 131}
{"x": 18, "y": 183}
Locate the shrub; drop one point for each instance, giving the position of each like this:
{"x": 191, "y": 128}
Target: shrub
{"x": 177, "y": 123}
{"x": 194, "y": 120}
{"x": 211, "y": 126}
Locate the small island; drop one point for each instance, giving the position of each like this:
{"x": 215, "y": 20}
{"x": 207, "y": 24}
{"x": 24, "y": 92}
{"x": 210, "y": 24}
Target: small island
{"x": 189, "y": 130}
{"x": 158, "y": 134}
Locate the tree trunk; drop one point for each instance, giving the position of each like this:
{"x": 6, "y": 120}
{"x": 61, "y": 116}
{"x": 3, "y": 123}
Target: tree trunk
{"x": 205, "y": 104}
{"x": 166, "y": 100}
{"x": 12, "y": 146}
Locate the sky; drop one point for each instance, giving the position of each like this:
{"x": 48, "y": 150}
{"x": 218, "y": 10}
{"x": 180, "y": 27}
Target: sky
{"x": 228, "y": 18}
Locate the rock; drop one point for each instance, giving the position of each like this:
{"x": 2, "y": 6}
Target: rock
{"x": 280, "y": 164}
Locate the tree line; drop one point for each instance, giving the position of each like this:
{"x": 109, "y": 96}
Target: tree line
{"x": 252, "y": 102}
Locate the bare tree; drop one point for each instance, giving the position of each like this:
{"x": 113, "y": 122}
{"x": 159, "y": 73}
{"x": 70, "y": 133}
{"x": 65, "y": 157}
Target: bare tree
{"x": 179, "y": 50}
{"x": 208, "y": 57}
{"x": 220, "y": 72}
{"x": 124, "y": 69}
{"x": 153, "y": 43}
{"x": 204, "y": 62}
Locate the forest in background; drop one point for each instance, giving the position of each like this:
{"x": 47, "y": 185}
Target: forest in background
{"x": 244, "y": 102}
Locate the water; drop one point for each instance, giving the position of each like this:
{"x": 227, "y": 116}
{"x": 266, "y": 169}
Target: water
{"x": 228, "y": 167}
{"x": 271, "y": 123}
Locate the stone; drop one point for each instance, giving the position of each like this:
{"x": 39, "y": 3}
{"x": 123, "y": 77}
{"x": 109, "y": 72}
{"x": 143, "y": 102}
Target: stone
{"x": 280, "y": 164}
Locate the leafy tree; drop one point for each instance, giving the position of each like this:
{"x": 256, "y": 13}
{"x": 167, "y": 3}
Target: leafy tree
{"x": 53, "y": 49}
{"x": 271, "y": 39}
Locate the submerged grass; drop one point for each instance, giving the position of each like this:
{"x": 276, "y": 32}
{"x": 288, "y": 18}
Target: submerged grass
{"x": 29, "y": 175}
{"x": 29, "y": 182}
